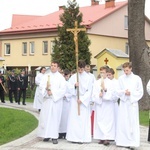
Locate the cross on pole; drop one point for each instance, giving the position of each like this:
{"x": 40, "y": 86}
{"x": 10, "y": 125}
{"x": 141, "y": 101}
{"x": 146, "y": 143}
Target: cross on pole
{"x": 75, "y": 31}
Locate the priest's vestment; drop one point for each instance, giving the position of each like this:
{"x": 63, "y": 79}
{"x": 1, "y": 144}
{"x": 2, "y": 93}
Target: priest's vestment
{"x": 38, "y": 96}
{"x": 65, "y": 109}
{"x": 128, "y": 131}
{"x": 104, "y": 118}
{"x": 50, "y": 115}
{"x": 79, "y": 126}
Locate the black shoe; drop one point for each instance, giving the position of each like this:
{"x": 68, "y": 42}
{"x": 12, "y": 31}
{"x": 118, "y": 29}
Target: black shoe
{"x": 23, "y": 104}
{"x": 64, "y": 135}
{"x": 55, "y": 141}
{"x": 18, "y": 103}
{"x": 3, "y": 101}
{"x": 11, "y": 102}
{"x": 77, "y": 142}
{"x": 46, "y": 139}
{"x": 106, "y": 143}
{"x": 101, "y": 142}
{"x": 131, "y": 148}
{"x": 74, "y": 142}
{"x": 60, "y": 136}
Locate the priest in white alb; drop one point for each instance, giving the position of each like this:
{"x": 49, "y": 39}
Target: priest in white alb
{"x": 66, "y": 107}
{"x": 79, "y": 125}
{"x": 104, "y": 118}
{"x": 53, "y": 88}
{"x": 130, "y": 91}
{"x": 38, "y": 99}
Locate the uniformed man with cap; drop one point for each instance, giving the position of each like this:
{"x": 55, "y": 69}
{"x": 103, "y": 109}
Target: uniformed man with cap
{"x": 12, "y": 86}
{"x": 22, "y": 86}
{"x": 2, "y": 81}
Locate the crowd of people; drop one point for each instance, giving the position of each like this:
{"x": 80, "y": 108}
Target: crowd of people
{"x": 66, "y": 102}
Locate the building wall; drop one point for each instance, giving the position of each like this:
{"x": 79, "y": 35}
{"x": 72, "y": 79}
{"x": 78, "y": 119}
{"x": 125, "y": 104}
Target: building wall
{"x": 147, "y": 32}
{"x": 1, "y": 64}
{"x": 114, "y": 25}
{"x": 17, "y": 59}
{"x": 99, "y": 43}
{"x": 111, "y": 25}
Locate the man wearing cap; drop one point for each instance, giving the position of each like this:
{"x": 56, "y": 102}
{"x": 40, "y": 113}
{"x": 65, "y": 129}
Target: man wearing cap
{"x": 22, "y": 86}
{"x": 12, "y": 86}
{"x": 2, "y": 81}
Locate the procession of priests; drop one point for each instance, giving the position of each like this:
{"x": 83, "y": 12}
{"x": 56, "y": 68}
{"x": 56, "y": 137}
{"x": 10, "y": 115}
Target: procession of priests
{"x": 65, "y": 111}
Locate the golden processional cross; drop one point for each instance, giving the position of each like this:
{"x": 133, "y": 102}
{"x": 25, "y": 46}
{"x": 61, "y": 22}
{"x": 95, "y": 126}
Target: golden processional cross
{"x": 75, "y": 31}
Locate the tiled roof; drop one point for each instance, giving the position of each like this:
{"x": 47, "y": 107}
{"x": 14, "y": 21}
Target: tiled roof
{"x": 117, "y": 53}
{"x": 20, "y": 19}
{"x": 91, "y": 14}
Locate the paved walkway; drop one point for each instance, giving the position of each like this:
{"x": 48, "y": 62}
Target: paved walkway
{"x": 32, "y": 142}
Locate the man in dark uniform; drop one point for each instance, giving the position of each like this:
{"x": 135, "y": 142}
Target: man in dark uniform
{"x": 12, "y": 86}
{"x": 22, "y": 86}
{"x": 2, "y": 81}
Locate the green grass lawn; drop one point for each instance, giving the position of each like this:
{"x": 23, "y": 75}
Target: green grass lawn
{"x": 15, "y": 124}
{"x": 144, "y": 118}
{"x": 27, "y": 99}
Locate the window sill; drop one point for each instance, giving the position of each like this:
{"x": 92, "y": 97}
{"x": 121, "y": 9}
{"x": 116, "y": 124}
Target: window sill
{"x": 24, "y": 54}
{"x": 45, "y": 54}
{"x": 31, "y": 54}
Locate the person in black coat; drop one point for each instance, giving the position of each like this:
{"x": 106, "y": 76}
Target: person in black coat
{"x": 2, "y": 81}
{"x": 22, "y": 86}
{"x": 12, "y": 86}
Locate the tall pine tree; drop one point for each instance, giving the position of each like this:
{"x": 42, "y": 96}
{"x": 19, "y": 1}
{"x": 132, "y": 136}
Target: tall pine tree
{"x": 64, "y": 46}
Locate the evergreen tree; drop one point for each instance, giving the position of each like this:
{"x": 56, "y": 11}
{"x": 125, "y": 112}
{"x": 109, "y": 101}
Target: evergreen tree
{"x": 64, "y": 46}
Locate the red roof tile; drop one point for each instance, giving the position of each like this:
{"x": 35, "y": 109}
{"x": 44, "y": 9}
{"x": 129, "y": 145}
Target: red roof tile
{"x": 91, "y": 14}
{"x": 19, "y": 19}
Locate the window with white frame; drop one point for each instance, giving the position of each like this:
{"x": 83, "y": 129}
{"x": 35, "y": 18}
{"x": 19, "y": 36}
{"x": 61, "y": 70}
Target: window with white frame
{"x": 45, "y": 47}
{"x": 24, "y": 48}
{"x": 127, "y": 48}
{"x": 32, "y": 48}
{"x": 7, "y": 49}
{"x": 125, "y": 22}
{"x": 52, "y": 46}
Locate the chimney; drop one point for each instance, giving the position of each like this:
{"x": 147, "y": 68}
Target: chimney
{"x": 109, "y": 3}
{"x": 94, "y": 2}
{"x": 61, "y": 7}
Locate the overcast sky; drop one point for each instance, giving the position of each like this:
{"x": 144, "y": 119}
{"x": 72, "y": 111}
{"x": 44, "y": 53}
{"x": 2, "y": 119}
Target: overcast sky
{"x": 38, "y": 7}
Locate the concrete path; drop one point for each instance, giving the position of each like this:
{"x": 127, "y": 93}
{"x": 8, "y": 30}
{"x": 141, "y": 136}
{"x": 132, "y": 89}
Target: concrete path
{"x": 32, "y": 142}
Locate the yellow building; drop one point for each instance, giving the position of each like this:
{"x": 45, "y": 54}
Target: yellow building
{"x": 1, "y": 64}
{"x": 29, "y": 41}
